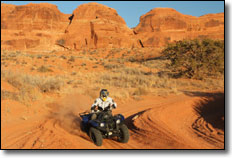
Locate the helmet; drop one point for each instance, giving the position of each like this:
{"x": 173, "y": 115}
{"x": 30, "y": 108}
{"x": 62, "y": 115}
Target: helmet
{"x": 104, "y": 94}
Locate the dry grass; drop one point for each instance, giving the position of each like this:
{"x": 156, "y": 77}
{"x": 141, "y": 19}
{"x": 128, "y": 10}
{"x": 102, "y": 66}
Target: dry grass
{"x": 8, "y": 95}
{"x": 120, "y": 76}
{"x": 110, "y": 66}
{"x": 140, "y": 82}
{"x": 30, "y": 87}
{"x": 140, "y": 91}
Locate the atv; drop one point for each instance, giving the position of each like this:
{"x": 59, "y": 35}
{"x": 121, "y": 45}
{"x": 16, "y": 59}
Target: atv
{"x": 104, "y": 126}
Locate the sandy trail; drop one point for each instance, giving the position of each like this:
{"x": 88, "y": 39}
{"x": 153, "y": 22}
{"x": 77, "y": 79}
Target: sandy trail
{"x": 173, "y": 122}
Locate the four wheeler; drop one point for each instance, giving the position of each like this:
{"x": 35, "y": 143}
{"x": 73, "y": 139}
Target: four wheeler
{"x": 104, "y": 126}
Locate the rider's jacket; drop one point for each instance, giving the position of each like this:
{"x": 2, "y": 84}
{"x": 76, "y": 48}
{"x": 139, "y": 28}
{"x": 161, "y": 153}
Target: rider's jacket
{"x": 103, "y": 104}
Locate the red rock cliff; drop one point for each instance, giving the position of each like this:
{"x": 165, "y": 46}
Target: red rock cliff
{"x": 31, "y": 25}
{"x": 92, "y": 25}
{"x": 163, "y": 25}
{"x": 97, "y": 26}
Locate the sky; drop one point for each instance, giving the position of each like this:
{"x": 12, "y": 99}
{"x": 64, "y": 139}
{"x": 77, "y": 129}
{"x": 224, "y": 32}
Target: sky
{"x": 131, "y": 11}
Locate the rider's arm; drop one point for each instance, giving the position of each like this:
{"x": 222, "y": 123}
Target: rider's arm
{"x": 94, "y": 105}
{"x": 114, "y": 105}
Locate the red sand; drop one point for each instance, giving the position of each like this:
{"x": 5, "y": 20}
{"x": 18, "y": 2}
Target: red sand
{"x": 154, "y": 123}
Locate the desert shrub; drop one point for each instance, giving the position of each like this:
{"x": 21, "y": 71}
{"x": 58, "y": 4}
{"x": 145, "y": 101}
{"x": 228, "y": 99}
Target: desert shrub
{"x": 24, "y": 62}
{"x": 63, "y": 57}
{"x": 112, "y": 66}
{"x": 26, "y": 90}
{"x": 140, "y": 91}
{"x": 44, "y": 69}
{"x": 72, "y": 59}
{"x": 39, "y": 56}
{"x": 50, "y": 84}
{"x": 73, "y": 73}
{"x": 132, "y": 71}
{"x": 8, "y": 95}
{"x": 195, "y": 59}
{"x": 83, "y": 64}
{"x": 30, "y": 87}
{"x": 123, "y": 80}
{"x": 156, "y": 63}
{"x": 44, "y": 84}
{"x": 60, "y": 42}
{"x": 132, "y": 59}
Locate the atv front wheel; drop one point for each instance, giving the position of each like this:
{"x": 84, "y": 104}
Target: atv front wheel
{"x": 124, "y": 134}
{"x": 95, "y": 136}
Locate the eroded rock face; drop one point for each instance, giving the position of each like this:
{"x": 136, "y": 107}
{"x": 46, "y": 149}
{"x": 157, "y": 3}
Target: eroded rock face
{"x": 31, "y": 25}
{"x": 42, "y": 16}
{"x": 92, "y": 11}
{"x": 163, "y": 25}
{"x": 5, "y": 10}
{"x": 97, "y": 26}
{"x": 92, "y": 25}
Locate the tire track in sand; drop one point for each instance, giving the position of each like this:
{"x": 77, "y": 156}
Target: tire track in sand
{"x": 154, "y": 123}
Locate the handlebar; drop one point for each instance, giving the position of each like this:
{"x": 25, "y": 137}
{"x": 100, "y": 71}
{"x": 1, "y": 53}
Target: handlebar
{"x": 96, "y": 109}
{"x": 83, "y": 113}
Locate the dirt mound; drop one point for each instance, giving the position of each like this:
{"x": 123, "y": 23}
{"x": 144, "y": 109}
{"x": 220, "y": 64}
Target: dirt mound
{"x": 210, "y": 123}
{"x": 194, "y": 123}
{"x": 163, "y": 25}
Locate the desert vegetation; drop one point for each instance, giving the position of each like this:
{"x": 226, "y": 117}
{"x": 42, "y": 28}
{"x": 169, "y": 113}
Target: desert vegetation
{"x": 196, "y": 59}
{"x": 124, "y": 76}
{"x": 29, "y": 87}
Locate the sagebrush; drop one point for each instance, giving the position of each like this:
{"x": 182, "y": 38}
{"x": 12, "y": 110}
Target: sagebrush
{"x": 196, "y": 58}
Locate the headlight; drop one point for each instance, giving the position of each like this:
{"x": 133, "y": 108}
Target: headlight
{"x": 102, "y": 124}
{"x": 118, "y": 121}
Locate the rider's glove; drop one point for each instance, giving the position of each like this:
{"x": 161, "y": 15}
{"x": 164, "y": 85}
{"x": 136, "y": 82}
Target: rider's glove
{"x": 113, "y": 106}
{"x": 94, "y": 109}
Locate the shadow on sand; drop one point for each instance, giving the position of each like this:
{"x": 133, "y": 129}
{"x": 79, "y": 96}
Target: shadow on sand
{"x": 129, "y": 121}
{"x": 211, "y": 108}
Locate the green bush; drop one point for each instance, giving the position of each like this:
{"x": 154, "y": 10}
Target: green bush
{"x": 195, "y": 59}
{"x": 60, "y": 42}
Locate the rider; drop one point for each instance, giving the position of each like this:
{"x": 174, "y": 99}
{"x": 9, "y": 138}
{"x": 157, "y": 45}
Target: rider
{"x": 102, "y": 103}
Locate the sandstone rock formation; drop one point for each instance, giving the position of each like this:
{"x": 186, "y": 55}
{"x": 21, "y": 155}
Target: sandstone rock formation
{"x": 29, "y": 17}
{"x": 163, "y": 25}
{"x": 92, "y": 25}
{"x": 31, "y": 25}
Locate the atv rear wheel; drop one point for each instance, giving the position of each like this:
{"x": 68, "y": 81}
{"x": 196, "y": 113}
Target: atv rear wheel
{"x": 95, "y": 136}
{"x": 124, "y": 134}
